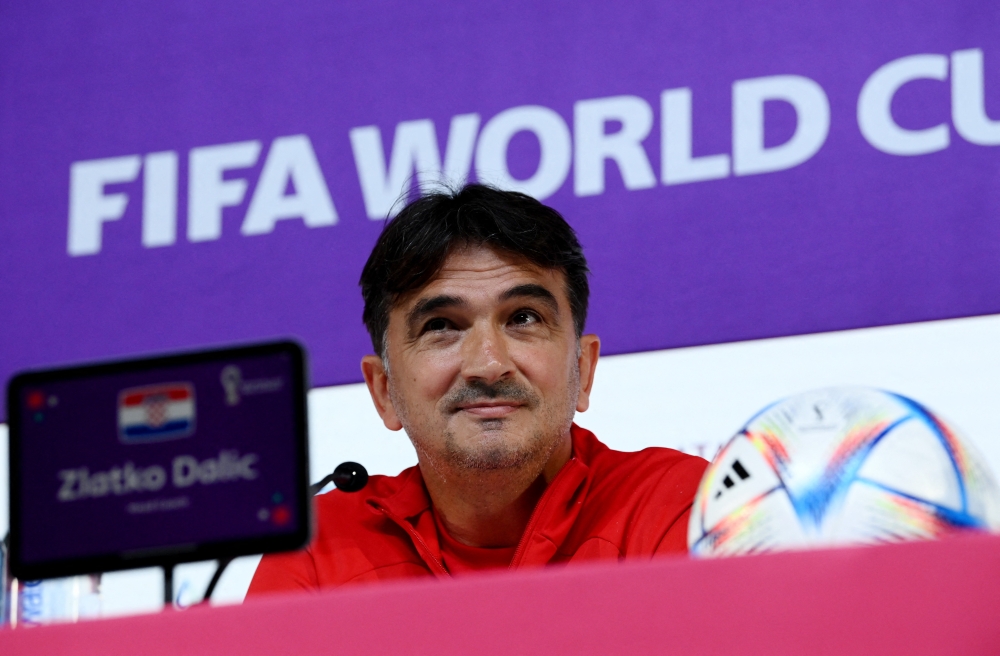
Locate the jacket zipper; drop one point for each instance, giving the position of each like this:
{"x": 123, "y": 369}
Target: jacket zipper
{"x": 533, "y": 519}
{"x": 414, "y": 535}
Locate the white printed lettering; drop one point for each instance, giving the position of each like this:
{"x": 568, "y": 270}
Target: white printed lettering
{"x": 290, "y": 159}
{"x": 117, "y": 481}
{"x": 875, "y": 107}
{"x": 414, "y": 151}
{"x": 159, "y": 199}
{"x": 229, "y": 466}
{"x": 185, "y": 471}
{"x": 679, "y": 165}
{"x": 553, "y": 139}
{"x": 154, "y": 478}
{"x": 97, "y": 485}
{"x": 461, "y": 146}
{"x": 968, "y": 103}
{"x": 132, "y": 482}
{"x": 593, "y": 146}
{"x": 89, "y": 206}
{"x": 69, "y": 479}
{"x": 208, "y": 193}
{"x": 812, "y": 110}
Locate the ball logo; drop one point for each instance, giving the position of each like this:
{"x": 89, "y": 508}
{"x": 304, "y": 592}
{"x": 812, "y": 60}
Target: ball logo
{"x": 737, "y": 473}
{"x": 156, "y": 412}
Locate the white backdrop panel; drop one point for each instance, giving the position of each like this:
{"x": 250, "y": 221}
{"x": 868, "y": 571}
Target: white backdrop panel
{"x": 692, "y": 399}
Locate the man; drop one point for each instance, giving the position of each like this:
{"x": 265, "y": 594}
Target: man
{"x": 476, "y": 303}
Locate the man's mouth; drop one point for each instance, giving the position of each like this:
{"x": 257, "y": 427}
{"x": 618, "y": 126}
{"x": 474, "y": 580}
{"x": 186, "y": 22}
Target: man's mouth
{"x": 492, "y": 409}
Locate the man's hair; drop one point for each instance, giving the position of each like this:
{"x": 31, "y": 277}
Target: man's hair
{"x": 413, "y": 247}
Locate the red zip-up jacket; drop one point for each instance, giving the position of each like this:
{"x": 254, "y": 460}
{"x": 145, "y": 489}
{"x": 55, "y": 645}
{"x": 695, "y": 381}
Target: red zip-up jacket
{"x": 602, "y": 504}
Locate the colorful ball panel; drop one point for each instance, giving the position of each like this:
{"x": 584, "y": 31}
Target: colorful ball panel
{"x": 845, "y": 465}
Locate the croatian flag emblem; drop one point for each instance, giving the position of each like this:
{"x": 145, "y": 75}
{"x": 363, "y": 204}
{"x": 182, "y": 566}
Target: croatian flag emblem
{"x": 156, "y": 412}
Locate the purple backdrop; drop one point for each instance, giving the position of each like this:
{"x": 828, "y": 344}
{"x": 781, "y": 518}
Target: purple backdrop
{"x": 853, "y": 236}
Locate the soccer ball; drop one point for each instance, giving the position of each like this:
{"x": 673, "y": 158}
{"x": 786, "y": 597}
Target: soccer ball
{"x": 843, "y": 465}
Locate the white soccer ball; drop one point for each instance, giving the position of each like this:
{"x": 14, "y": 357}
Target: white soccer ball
{"x": 843, "y": 465}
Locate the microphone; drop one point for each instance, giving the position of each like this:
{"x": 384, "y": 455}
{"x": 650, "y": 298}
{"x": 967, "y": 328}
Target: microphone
{"x": 348, "y": 477}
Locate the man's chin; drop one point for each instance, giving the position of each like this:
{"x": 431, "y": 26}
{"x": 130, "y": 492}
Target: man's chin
{"x": 491, "y": 445}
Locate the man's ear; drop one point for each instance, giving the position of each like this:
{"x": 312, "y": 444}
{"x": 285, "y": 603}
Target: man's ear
{"x": 378, "y": 386}
{"x": 590, "y": 351}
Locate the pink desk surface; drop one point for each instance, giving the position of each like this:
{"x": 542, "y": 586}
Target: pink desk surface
{"x": 919, "y": 598}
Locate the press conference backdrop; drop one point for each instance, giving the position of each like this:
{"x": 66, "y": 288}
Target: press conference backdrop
{"x": 176, "y": 175}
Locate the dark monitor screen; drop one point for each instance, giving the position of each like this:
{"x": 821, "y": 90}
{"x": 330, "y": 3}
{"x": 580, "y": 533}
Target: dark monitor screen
{"x": 157, "y": 461}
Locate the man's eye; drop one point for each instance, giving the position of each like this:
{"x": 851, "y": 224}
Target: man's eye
{"x": 524, "y": 318}
{"x": 436, "y": 325}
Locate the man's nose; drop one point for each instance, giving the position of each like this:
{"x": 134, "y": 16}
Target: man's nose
{"x": 485, "y": 355}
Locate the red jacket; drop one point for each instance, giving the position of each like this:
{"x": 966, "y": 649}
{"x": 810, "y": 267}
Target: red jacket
{"x": 602, "y": 504}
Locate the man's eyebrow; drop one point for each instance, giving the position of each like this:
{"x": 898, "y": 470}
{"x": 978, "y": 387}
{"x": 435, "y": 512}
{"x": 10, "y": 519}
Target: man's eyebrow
{"x": 426, "y": 306}
{"x": 532, "y": 291}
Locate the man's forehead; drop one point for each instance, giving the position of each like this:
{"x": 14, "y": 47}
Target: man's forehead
{"x": 476, "y": 270}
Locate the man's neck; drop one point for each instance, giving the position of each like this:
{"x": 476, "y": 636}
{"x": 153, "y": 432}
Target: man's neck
{"x": 491, "y": 509}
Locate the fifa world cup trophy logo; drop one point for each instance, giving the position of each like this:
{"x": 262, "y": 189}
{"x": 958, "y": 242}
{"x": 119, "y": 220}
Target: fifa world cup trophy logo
{"x": 231, "y": 379}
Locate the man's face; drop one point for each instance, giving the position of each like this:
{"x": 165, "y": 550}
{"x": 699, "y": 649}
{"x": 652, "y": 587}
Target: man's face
{"x": 485, "y": 368}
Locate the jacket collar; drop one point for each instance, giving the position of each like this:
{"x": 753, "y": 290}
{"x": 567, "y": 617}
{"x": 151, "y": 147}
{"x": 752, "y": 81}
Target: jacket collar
{"x": 550, "y": 523}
